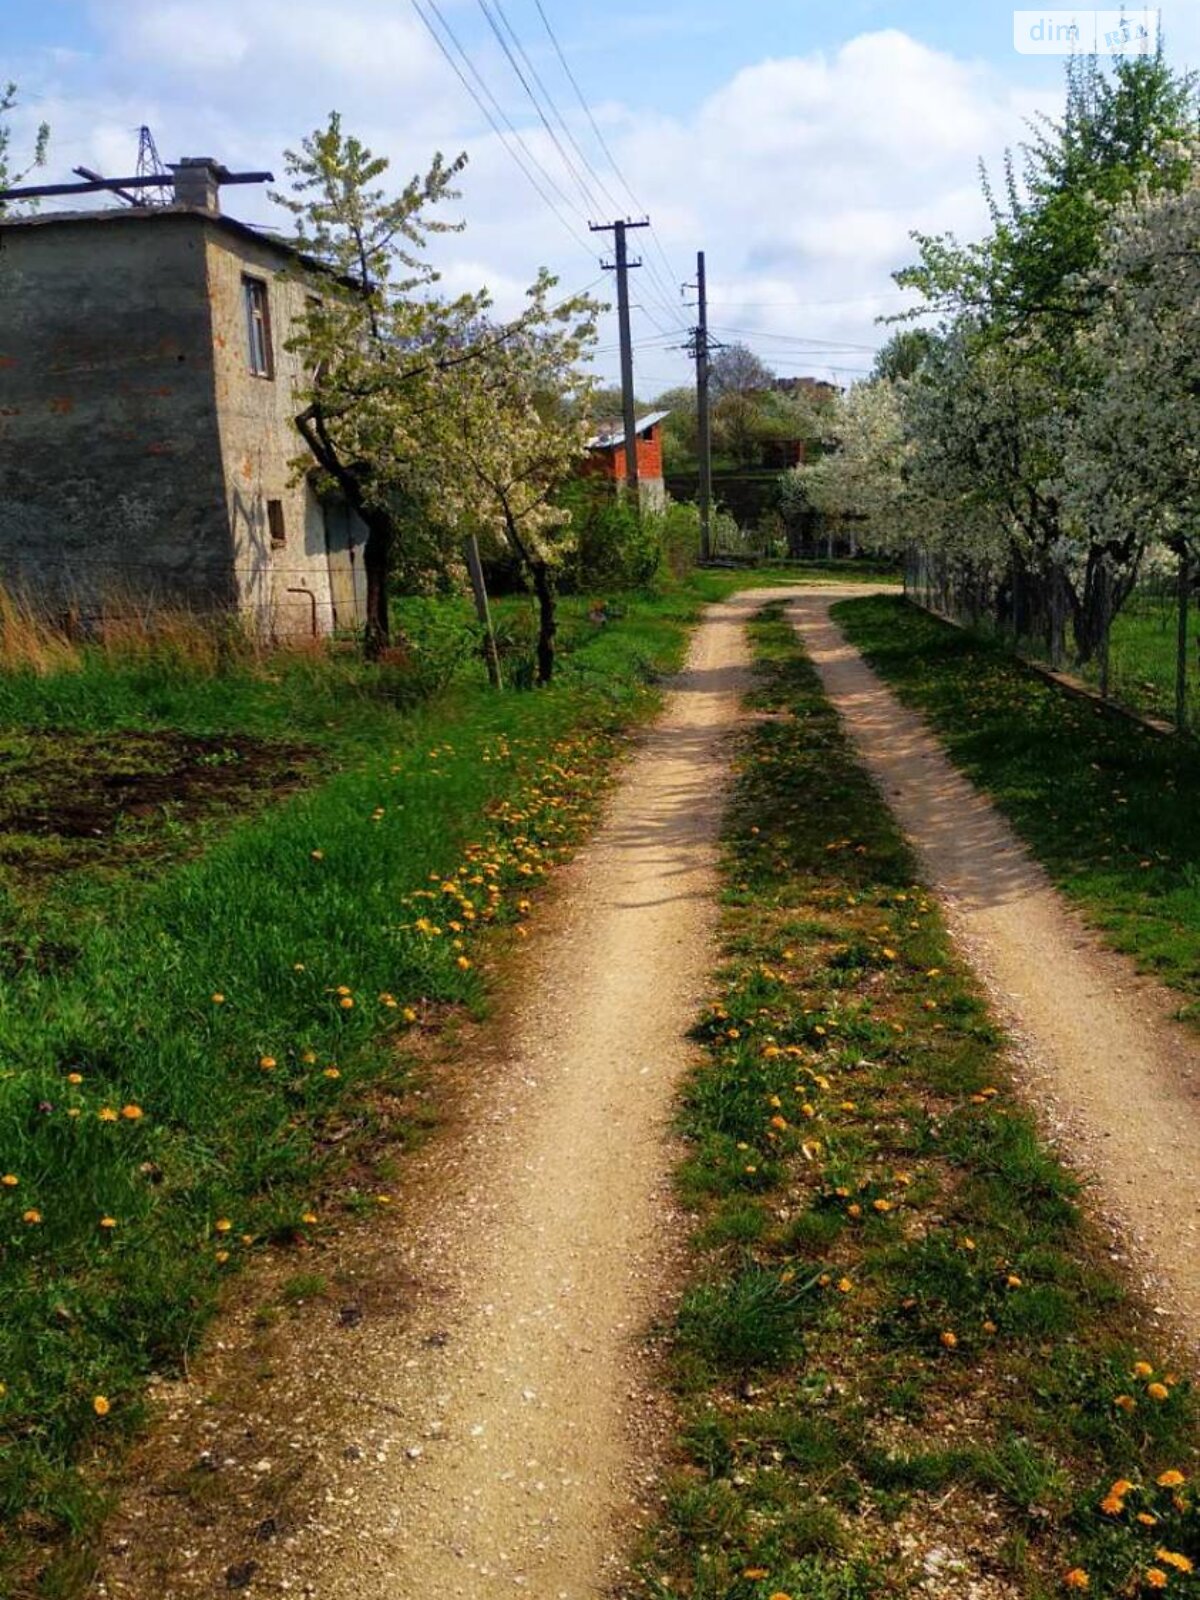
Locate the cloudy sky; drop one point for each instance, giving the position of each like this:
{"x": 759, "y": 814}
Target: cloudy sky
{"x": 796, "y": 142}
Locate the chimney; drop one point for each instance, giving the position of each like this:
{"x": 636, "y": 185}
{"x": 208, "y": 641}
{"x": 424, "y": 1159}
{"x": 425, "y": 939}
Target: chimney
{"x": 198, "y": 183}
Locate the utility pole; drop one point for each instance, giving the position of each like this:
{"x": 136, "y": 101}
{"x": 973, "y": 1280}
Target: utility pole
{"x": 621, "y": 265}
{"x": 704, "y": 443}
{"x": 701, "y": 347}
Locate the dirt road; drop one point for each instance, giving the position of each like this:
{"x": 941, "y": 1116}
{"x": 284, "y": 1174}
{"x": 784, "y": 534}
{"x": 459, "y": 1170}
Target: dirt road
{"x": 469, "y": 1424}
{"x": 1102, "y": 1059}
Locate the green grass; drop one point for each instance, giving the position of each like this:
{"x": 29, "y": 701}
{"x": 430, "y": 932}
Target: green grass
{"x": 1109, "y": 808}
{"x": 1142, "y": 657}
{"x": 206, "y": 1034}
{"x": 901, "y": 1333}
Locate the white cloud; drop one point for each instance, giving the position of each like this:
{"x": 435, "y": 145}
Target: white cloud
{"x": 800, "y": 176}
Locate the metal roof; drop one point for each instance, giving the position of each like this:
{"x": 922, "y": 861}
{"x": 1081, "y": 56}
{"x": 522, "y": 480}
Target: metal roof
{"x": 612, "y": 438}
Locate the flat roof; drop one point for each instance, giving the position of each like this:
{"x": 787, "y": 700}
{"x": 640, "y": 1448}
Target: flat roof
{"x": 125, "y": 215}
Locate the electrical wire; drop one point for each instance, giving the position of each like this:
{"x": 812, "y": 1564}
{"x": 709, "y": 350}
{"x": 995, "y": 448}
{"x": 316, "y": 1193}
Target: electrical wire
{"x": 672, "y": 276}
{"x": 495, "y": 124}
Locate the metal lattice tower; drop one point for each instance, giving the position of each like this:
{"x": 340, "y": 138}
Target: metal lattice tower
{"x": 150, "y": 165}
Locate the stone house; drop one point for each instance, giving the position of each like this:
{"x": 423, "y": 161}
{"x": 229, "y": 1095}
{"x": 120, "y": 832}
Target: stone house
{"x": 147, "y": 404}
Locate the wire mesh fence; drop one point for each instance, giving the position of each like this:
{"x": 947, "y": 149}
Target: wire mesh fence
{"x": 1145, "y": 658}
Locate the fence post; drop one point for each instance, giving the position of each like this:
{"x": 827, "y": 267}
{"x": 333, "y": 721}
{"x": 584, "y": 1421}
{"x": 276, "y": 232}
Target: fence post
{"x": 1181, "y": 672}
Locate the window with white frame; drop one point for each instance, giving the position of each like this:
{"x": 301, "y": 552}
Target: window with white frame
{"x": 258, "y": 327}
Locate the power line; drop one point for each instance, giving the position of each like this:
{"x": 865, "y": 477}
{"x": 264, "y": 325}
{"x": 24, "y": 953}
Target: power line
{"x": 494, "y": 123}
{"x": 589, "y": 203}
{"x": 799, "y": 340}
{"x": 658, "y": 287}
{"x": 612, "y": 204}
{"x": 672, "y": 275}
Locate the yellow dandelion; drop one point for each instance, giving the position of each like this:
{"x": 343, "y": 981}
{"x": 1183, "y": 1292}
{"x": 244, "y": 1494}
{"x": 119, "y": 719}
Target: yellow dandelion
{"x": 1157, "y": 1391}
{"x": 267, "y": 1063}
{"x": 346, "y": 1002}
{"x": 221, "y": 1257}
{"x": 74, "y": 1077}
{"x": 32, "y": 1217}
{"x": 1171, "y": 1479}
{"x": 317, "y": 855}
{"x": 222, "y": 1225}
{"x": 218, "y": 999}
{"x": 132, "y": 1113}
{"x": 107, "y": 1114}
{"x": 462, "y": 963}
{"x": 1172, "y": 1558}
{"x": 108, "y": 1222}
{"x": 309, "y": 1217}
{"x": 10, "y": 1180}
{"x": 331, "y": 1072}
{"x": 101, "y": 1405}
{"x": 1077, "y": 1578}
{"x": 1143, "y": 1369}
{"x": 1126, "y": 1402}
{"x": 1156, "y": 1578}
{"x": 844, "y": 1285}
{"x": 950, "y": 1340}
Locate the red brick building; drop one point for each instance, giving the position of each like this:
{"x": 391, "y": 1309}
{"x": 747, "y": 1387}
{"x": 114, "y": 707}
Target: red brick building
{"x": 606, "y": 457}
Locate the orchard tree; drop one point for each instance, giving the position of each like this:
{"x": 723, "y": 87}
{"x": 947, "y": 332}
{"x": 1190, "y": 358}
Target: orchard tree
{"x": 860, "y": 474}
{"x": 9, "y": 177}
{"x": 373, "y": 342}
{"x": 1134, "y": 458}
{"x": 1015, "y": 311}
{"x": 516, "y": 419}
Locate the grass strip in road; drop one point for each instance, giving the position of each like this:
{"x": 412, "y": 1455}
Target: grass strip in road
{"x": 904, "y": 1361}
{"x": 222, "y": 1061}
{"x": 1110, "y": 809}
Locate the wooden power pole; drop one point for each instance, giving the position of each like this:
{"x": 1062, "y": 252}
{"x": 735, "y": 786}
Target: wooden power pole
{"x": 703, "y": 427}
{"x": 622, "y": 266}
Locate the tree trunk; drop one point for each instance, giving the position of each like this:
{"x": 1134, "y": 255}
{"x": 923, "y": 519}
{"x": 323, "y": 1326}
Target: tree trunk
{"x": 543, "y": 587}
{"x": 377, "y": 563}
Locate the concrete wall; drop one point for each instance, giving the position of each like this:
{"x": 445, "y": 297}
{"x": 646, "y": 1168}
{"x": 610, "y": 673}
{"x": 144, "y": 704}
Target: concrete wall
{"x": 110, "y": 465}
{"x": 285, "y": 589}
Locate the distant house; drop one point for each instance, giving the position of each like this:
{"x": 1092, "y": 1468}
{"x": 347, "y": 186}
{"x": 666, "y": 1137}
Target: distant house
{"x": 606, "y": 458}
{"x": 780, "y": 454}
{"x": 147, "y": 405}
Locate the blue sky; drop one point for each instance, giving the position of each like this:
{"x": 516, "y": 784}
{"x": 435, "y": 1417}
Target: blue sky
{"x": 796, "y": 143}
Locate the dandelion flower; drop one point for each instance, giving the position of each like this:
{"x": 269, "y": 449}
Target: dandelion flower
{"x": 267, "y": 1063}
{"x": 107, "y": 1114}
{"x": 1156, "y": 1578}
{"x": 309, "y": 1057}
{"x": 331, "y": 1072}
{"x": 408, "y": 1014}
{"x": 1172, "y": 1558}
{"x": 108, "y": 1222}
{"x": 1077, "y": 1578}
{"x": 989, "y": 1327}
{"x": 74, "y": 1077}
{"x": 1013, "y": 1281}
{"x": 317, "y": 855}
{"x": 950, "y": 1340}
{"x": 221, "y": 1257}
{"x": 1171, "y": 1479}
{"x": 881, "y": 1205}
{"x": 1143, "y": 1369}
{"x": 132, "y": 1113}
{"x": 462, "y": 963}
{"x": 101, "y": 1405}
{"x": 1112, "y": 1505}
{"x": 346, "y": 1002}
{"x": 309, "y": 1217}
{"x": 10, "y": 1180}
{"x": 218, "y": 999}
{"x": 32, "y": 1217}
{"x": 844, "y": 1285}
{"x": 222, "y": 1225}
{"x": 1126, "y": 1402}
{"x": 1157, "y": 1391}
